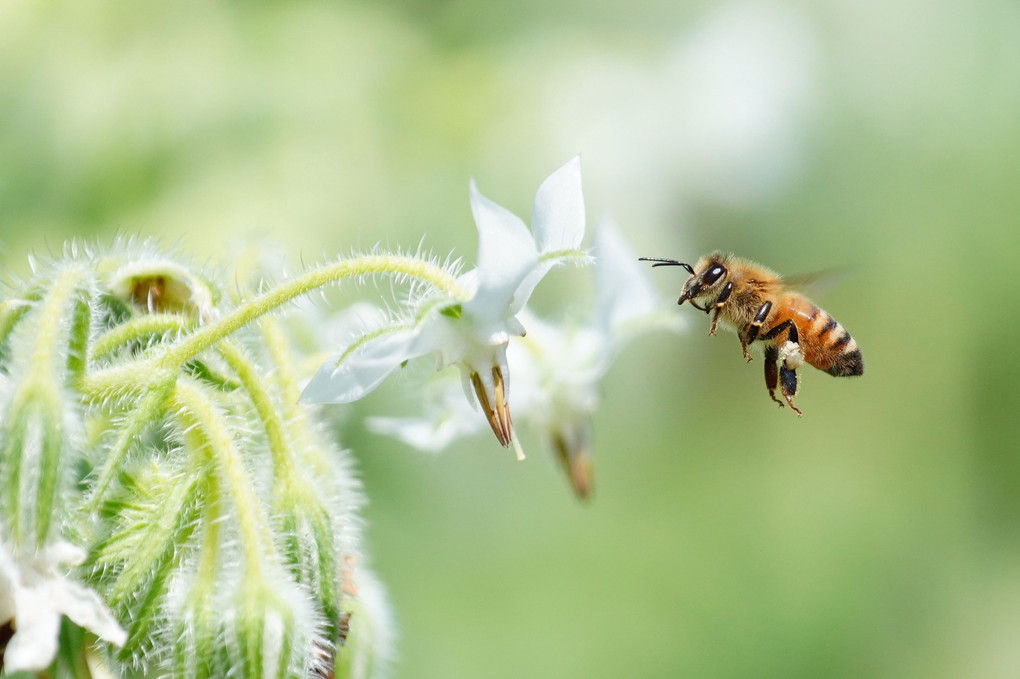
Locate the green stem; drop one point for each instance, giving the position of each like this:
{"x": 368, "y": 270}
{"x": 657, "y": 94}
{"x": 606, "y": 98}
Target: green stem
{"x": 73, "y": 650}
{"x": 313, "y": 463}
{"x": 136, "y": 329}
{"x": 134, "y": 377}
{"x": 11, "y": 311}
{"x": 199, "y": 412}
{"x": 252, "y": 382}
{"x": 36, "y": 412}
{"x": 192, "y": 660}
{"x": 276, "y": 344}
{"x": 197, "y": 342}
{"x": 145, "y": 414}
{"x": 48, "y": 325}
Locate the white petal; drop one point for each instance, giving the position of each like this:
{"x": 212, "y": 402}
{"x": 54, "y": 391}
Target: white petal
{"x": 37, "y": 594}
{"x": 354, "y": 322}
{"x": 557, "y": 217}
{"x": 429, "y": 435}
{"x": 506, "y": 254}
{"x": 534, "y": 276}
{"x": 447, "y": 415}
{"x": 625, "y": 289}
{"x": 85, "y": 609}
{"x": 35, "y": 643}
{"x": 346, "y": 378}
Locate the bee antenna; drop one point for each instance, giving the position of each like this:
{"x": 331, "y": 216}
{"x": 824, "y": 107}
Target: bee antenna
{"x": 667, "y": 262}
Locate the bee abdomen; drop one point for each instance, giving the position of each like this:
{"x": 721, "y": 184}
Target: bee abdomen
{"x": 840, "y": 349}
{"x": 848, "y": 363}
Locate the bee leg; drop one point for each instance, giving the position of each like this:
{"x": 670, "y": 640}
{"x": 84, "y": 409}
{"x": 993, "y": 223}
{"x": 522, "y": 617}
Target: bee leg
{"x": 787, "y": 361}
{"x": 719, "y": 302}
{"x": 789, "y": 382}
{"x": 750, "y": 332}
{"x": 787, "y": 326}
{"x": 772, "y": 372}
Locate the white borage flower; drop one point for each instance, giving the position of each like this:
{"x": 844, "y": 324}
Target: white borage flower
{"x": 35, "y": 593}
{"x": 473, "y": 332}
{"x": 557, "y": 367}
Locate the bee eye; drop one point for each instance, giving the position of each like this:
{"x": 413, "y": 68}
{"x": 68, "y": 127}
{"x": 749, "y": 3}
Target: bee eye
{"x": 712, "y": 275}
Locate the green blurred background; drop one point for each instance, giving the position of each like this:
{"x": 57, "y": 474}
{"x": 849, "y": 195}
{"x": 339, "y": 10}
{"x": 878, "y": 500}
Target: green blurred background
{"x": 879, "y": 536}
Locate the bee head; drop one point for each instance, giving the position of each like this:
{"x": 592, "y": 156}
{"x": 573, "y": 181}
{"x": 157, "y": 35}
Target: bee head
{"x": 708, "y": 275}
{"x": 707, "y": 279}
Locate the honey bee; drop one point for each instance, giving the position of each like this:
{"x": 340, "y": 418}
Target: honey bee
{"x": 757, "y": 303}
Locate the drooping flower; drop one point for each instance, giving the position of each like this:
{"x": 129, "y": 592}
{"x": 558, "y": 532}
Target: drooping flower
{"x": 35, "y": 593}
{"x": 472, "y": 331}
{"x": 558, "y": 367}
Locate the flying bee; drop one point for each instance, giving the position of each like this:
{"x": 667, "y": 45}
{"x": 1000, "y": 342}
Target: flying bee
{"x": 756, "y": 302}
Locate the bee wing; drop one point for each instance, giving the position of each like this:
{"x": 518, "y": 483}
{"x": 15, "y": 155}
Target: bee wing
{"x": 818, "y": 283}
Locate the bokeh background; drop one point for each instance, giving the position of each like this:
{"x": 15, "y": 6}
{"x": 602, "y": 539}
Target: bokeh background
{"x": 878, "y": 536}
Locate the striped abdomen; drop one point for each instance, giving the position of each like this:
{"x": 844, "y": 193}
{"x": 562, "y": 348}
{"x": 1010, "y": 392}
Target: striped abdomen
{"x": 826, "y": 344}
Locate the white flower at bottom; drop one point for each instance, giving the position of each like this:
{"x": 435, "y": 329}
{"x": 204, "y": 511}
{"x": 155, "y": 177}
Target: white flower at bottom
{"x": 35, "y": 593}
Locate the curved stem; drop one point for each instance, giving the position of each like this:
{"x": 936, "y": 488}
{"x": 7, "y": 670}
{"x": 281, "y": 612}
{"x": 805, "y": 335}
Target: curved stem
{"x": 292, "y": 414}
{"x": 134, "y": 377}
{"x": 137, "y": 329}
{"x": 197, "y": 342}
{"x": 145, "y": 413}
{"x": 283, "y": 459}
{"x": 200, "y": 415}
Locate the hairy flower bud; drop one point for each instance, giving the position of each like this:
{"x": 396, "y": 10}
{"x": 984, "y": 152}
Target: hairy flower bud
{"x": 160, "y": 486}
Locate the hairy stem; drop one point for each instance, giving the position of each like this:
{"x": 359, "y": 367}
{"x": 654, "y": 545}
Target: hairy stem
{"x": 194, "y": 344}
{"x": 199, "y": 413}
{"x": 283, "y": 459}
{"x": 134, "y": 377}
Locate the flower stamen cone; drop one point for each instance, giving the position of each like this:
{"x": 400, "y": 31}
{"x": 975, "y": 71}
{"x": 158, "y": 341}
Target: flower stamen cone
{"x": 492, "y": 398}
{"x": 573, "y": 449}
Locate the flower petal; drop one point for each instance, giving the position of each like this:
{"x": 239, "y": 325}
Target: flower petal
{"x": 34, "y": 645}
{"x": 430, "y": 434}
{"x": 506, "y": 254}
{"x": 625, "y": 291}
{"x": 351, "y": 374}
{"x": 557, "y": 217}
{"x": 85, "y": 609}
{"x": 35, "y": 595}
{"x": 535, "y": 276}
{"x": 557, "y": 222}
